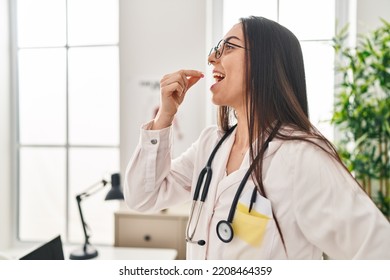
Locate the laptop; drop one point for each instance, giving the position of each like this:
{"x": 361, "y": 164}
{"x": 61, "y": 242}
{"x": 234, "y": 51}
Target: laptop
{"x": 51, "y": 250}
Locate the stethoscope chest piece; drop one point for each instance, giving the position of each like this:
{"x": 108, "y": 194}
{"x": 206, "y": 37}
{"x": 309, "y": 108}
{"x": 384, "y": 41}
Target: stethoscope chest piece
{"x": 225, "y": 231}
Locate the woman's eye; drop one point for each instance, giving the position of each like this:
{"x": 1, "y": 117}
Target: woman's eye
{"x": 229, "y": 47}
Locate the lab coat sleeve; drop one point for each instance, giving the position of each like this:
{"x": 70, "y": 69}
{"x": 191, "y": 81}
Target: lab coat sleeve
{"x": 332, "y": 211}
{"x": 153, "y": 180}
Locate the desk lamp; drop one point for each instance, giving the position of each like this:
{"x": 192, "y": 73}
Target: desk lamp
{"x": 88, "y": 251}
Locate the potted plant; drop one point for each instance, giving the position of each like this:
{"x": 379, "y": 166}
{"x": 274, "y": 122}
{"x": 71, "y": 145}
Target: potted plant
{"x": 362, "y": 110}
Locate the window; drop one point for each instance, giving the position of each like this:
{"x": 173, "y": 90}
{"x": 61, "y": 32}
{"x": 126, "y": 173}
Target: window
{"x": 313, "y": 22}
{"x": 68, "y": 115}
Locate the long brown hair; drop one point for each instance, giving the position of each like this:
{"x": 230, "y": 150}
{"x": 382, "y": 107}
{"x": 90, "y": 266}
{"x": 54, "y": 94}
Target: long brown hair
{"x": 275, "y": 93}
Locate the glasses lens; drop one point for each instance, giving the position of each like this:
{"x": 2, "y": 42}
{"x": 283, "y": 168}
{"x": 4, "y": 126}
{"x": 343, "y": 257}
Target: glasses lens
{"x": 212, "y": 50}
{"x": 219, "y": 49}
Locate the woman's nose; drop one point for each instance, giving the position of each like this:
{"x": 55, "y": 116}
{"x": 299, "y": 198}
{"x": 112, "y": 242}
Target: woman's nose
{"x": 211, "y": 59}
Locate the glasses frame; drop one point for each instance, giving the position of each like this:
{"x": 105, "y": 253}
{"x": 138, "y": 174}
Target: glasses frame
{"x": 218, "y": 49}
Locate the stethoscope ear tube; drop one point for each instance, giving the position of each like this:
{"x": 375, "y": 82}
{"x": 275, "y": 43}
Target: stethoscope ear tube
{"x": 207, "y": 184}
{"x": 199, "y": 183}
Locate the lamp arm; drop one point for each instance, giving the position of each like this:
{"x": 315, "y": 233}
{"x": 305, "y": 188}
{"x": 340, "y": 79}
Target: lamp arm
{"x": 93, "y": 189}
{"x": 86, "y": 236}
{"x": 88, "y": 192}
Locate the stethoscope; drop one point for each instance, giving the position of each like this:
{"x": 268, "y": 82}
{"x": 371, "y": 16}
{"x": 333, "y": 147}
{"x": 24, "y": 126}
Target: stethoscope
{"x": 224, "y": 227}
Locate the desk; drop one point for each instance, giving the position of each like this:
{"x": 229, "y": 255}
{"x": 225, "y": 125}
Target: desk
{"x": 105, "y": 253}
{"x": 126, "y": 253}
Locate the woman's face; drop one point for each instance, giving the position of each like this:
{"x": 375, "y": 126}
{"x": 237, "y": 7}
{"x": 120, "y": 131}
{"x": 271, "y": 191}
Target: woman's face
{"x": 229, "y": 69}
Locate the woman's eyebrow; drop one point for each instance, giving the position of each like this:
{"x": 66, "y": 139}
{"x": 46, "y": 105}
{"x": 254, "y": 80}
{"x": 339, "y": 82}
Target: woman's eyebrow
{"x": 232, "y": 37}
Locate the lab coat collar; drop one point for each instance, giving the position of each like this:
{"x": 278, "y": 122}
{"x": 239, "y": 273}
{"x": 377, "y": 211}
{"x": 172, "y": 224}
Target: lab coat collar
{"x": 222, "y": 156}
{"x": 234, "y": 179}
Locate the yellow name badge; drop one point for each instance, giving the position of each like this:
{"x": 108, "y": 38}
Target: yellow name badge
{"x": 251, "y": 226}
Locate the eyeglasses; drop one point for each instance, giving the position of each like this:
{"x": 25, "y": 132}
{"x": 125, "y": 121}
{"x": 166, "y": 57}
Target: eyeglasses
{"x": 221, "y": 47}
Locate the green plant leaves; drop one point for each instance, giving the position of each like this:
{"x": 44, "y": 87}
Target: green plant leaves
{"x": 362, "y": 110}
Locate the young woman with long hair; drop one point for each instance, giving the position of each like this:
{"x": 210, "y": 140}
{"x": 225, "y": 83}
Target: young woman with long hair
{"x": 264, "y": 183}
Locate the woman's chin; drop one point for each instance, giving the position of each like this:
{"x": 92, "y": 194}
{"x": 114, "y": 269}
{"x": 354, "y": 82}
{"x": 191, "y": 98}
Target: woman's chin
{"x": 216, "y": 100}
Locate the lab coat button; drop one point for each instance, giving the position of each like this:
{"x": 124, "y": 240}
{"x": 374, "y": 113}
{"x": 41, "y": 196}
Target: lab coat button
{"x": 153, "y": 141}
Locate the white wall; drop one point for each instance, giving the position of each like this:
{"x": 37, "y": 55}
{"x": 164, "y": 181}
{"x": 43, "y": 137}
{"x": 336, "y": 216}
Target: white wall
{"x": 5, "y": 160}
{"x": 159, "y": 37}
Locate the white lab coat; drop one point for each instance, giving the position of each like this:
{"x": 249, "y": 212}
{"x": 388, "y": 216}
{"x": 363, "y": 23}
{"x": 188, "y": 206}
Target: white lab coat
{"x": 318, "y": 205}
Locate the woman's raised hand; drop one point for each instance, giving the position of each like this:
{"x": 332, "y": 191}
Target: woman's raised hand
{"x": 173, "y": 89}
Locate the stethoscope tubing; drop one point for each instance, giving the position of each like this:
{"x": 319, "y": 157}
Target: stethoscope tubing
{"x": 207, "y": 171}
{"x": 248, "y": 173}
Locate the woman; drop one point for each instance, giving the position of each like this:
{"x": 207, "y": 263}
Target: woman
{"x": 276, "y": 187}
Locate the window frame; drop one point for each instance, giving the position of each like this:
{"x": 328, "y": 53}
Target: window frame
{"x": 15, "y": 142}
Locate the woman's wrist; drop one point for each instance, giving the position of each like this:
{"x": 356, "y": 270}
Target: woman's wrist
{"x": 162, "y": 121}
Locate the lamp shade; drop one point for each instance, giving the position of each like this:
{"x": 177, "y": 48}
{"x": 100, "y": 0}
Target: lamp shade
{"x": 115, "y": 191}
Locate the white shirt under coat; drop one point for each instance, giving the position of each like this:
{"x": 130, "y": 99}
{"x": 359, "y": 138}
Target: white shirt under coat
{"x": 319, "y": 207}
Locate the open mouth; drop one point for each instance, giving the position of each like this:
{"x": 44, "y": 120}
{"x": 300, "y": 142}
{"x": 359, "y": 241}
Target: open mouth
{"x": 218, "y": 76}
